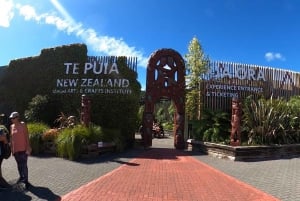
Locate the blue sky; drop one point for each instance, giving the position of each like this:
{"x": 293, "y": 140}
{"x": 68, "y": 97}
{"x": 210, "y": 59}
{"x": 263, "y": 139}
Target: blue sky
{"x": 260, "y": 32}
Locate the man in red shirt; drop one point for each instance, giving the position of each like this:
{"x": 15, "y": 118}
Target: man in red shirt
{"x": 20, "y": 146}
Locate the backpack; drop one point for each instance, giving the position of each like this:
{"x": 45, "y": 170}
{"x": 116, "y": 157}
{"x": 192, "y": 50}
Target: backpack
{"x": 5, "y": 151}
{"x": 3, "y": 130}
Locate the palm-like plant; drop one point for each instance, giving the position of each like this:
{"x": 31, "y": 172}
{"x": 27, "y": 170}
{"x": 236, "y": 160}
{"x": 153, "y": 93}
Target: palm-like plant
{"x": 267, "y": 121}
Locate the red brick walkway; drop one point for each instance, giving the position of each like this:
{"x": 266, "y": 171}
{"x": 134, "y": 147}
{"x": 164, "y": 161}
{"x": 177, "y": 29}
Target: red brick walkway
{"x": 166, "y": 174}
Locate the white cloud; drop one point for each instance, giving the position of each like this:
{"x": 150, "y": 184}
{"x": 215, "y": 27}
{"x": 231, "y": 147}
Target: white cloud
{"x": 103, "y": 44}
{"x": 62, "y": 10}
{"x": 28, "y": 12}
{"x": 270, "y": 56}
{"x": 6, "y": 12}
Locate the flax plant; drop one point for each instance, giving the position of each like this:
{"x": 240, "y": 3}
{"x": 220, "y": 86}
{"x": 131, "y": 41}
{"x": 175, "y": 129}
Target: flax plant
{"x": 267, "y": 121}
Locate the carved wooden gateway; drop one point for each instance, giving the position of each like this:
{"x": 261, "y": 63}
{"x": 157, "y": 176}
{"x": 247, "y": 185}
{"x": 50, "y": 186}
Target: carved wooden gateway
{"x": 165, "y": 79}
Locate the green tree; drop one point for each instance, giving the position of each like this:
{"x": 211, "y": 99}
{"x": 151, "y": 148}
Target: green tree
{"x": 197, "y": 64}
{"x": 42, "y": 109}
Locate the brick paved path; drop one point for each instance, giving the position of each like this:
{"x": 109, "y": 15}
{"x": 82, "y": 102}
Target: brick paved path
{"x": 166, "y": 174}
{"x": 55, "y": 178}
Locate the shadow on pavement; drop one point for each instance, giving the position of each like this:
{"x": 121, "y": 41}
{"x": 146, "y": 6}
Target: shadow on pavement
{"x": 126, "y": 163}
{"x": 18, "y": 193}
{"x": 43, "y": 193}
{"x": 162, "y": 148}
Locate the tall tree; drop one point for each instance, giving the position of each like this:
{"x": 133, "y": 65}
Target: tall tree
{"x": 197, "y": 63}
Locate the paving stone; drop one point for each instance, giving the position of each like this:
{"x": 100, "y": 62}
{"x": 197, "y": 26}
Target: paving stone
{"x": 181, "y": 175}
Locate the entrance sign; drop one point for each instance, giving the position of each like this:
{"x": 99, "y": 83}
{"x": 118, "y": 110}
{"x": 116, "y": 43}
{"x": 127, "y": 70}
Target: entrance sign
{"x": 225, "y": 81}
{"x": 237, "y": 71}
{"x": 99, "y": 75}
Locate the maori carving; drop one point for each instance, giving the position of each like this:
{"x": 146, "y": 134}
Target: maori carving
{"x": 235, "y": 136}
{"x": 85, "y": 116}
{"x": 165, "y": 79}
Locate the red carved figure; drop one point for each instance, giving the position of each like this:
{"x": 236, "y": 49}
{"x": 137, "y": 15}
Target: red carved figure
{"x": 85, "y": 110}
{"x": 235, "y": 136}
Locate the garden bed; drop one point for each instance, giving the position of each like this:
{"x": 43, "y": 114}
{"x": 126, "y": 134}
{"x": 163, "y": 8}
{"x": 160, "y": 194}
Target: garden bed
{"x": 94, "y": 150}
{"x": 246, "y": 153}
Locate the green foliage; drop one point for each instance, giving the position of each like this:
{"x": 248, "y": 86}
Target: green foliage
{"x": 38, "y": 76}
{"x": 164, "y": 111}
{"x": 192, "y": 104}
{"x": 41, "y": 109}
{"x": 214, "y": 126}
{"x": 197, "y": 64}
{"x": 117, "y": 137}
{"x": 69, "y": 142}
{"x": 99, "y": 134}
{"x": 271, "y": 121}
{"x": 36, "y": 108}
{"x": 168, "y": 126}
{"x": 117, "y": 112}
{"x": 294, "y": 105}
{"x": 36, "y": 131}
{"x": 140, "y": 116}
{"x": 198, "y": 129}
{"x": 95, "y": 134}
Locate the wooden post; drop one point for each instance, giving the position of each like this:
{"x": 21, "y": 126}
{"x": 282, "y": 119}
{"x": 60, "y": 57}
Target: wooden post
{"x": 85, "y": 117}
{"x": 235, "y": 136}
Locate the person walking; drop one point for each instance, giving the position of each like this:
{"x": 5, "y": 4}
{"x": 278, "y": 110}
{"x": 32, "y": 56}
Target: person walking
{"x": 3, "y": 140}
{"x": 20, "y": 146}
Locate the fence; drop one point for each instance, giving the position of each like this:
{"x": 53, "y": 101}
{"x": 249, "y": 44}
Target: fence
{"x": 226, "y": 80}
{"x": 131, "y": 62}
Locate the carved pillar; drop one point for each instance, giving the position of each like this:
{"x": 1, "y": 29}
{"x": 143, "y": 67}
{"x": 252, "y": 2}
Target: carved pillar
{"x": 147, "y": 126}
{"x": 85, "y": 115}
{"x": 179, "y": 131}
{"x": 179, "y": 118}
{"x": 235, "y": 135}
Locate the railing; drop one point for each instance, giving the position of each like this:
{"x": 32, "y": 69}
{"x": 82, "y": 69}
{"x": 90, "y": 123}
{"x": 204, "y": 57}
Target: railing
{"x": 131, "y": 62}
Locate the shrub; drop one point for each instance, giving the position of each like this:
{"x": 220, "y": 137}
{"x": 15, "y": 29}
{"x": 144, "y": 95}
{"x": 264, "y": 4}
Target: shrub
{"x": 197, "y": 129}
{"x": 214, "y": 126}
{"x": 36, "y": 131}
{"x": 115, "y": 136}
{"x": 41, "y": 109}
{"x": 95, "y": 135}
{"x": 70, "y": 141}
{"x": 271, "y": 121}
{"x": 168, "y": 126}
